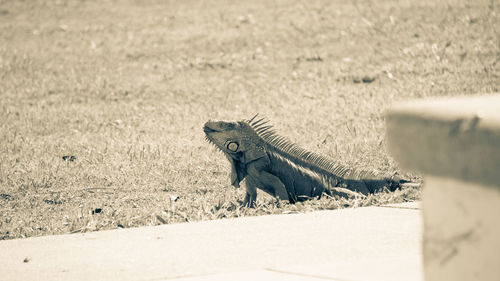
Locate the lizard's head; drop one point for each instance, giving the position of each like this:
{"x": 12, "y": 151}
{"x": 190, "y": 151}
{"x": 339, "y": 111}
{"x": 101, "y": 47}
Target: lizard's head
{"x": 239, "y": 141}
{"x": 227, "y": 136}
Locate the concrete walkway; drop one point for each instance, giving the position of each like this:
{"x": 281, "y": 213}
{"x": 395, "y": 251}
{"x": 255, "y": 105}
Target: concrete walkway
{"x": 373, "y": 243}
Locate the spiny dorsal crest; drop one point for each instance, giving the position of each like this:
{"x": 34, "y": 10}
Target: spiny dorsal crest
{"x": 292, "y": 151}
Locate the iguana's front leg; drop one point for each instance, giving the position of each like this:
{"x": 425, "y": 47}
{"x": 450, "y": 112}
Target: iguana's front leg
{"x": 266, "y": 180}
{"x": 251, "y": 192}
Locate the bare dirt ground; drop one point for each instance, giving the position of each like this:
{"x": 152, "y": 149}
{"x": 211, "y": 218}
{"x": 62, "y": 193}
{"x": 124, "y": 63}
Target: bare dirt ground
{"x": 125, "y": 86}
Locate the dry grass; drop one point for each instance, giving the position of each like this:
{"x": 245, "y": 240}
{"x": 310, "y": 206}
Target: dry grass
{"x": 125, "y": 87}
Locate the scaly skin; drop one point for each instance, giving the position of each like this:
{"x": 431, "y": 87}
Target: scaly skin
{"x": 284, "y": 170}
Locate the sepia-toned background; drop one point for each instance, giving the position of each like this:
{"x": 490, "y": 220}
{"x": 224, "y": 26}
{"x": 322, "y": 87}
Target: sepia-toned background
{"x": 125, "y": 87}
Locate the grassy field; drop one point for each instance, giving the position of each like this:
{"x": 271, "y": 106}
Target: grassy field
{"x": 126, "y": 86}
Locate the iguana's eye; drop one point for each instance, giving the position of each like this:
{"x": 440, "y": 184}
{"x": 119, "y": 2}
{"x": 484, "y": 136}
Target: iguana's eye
{"x": 232, "y": 146}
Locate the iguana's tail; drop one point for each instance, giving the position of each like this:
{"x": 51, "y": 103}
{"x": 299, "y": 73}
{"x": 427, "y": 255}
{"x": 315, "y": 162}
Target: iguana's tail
{"x": 392, "y": 183}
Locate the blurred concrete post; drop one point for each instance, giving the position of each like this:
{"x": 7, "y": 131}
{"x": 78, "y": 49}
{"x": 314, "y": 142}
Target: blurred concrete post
{"x": 455, "y": 143}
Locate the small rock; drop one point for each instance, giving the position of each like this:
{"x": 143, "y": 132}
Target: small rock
{"x": 368, "y": 79}
{"x": 6, "y": 196}
{"x": 70, "y": 158}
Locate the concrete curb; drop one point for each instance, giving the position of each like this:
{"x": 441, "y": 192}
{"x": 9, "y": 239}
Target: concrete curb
{"x": 455, "y": 142}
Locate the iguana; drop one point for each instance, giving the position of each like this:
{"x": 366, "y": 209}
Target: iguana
{"x": 284, "y": 170}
